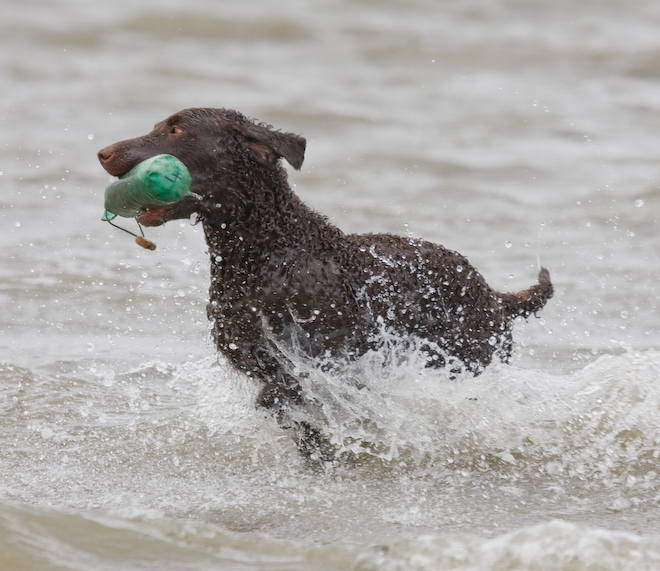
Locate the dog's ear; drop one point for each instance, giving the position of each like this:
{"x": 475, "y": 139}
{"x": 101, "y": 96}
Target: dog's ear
{"x": 270, "y": 145}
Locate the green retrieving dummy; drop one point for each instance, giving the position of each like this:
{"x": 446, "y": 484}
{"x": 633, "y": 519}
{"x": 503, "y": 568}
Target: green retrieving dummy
{"x": 155, "y": 182}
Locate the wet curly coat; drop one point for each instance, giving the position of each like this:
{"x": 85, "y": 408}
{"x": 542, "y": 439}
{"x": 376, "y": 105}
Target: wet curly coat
{"x": 282, "y": 275}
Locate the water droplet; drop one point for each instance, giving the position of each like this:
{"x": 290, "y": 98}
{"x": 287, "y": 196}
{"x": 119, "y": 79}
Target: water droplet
{"x": 108, "y": 378}
{"x": 90, "y": 137}
{"x": 639, "y": 203}
{"x": 624, "y": 314}
{"x": 90, "y": 347}
{"x": 459, "y": 268}
{"x": 508, "y": 244}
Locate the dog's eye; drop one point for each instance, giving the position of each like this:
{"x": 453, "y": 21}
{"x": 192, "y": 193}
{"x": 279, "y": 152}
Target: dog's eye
{"x": 175, "y": 130}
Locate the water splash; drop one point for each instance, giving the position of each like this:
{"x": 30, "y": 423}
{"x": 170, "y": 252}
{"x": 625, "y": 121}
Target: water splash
{"x": 600, "y": 422}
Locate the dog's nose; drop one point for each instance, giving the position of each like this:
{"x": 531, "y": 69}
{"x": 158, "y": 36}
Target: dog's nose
{"x": 106, "y": 154}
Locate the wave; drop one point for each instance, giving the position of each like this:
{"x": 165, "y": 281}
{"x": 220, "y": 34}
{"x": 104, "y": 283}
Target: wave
{"x": 602, "y": 421}
{"x": 47, "y": 538}
{"x": 416, "y": 451}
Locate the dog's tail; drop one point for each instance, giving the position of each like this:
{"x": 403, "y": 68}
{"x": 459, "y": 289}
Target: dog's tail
{"x": 526, "y": 302}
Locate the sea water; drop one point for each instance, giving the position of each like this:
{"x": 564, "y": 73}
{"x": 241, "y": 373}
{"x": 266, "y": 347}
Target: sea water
{"x": 515, "y": 133}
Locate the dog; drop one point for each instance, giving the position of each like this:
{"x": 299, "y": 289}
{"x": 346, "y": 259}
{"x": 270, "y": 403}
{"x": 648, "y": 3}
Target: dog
{"x": 282, "y": 276}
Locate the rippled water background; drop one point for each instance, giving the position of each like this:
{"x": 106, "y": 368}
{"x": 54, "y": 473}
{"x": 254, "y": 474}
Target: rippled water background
{"x": 510, "y": 131}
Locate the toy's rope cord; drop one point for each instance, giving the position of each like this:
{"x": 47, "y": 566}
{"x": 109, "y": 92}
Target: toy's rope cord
{"x": 140, "y": 240}
{"x": 127, "y": 231}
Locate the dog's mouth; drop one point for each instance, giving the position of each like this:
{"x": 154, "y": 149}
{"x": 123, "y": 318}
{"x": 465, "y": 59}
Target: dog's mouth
{"x": 117, "y": 169}
{"x": 158, "y": 215}
{"x": 154, "y": 216}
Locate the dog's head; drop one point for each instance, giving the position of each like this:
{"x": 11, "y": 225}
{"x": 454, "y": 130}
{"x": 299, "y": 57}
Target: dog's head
{"x": 216, "y": 145}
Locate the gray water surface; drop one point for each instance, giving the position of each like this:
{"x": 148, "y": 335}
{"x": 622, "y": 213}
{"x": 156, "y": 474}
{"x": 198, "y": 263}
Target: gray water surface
{"x": 515, "y": 133}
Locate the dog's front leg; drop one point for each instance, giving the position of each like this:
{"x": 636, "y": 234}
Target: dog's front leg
{"x": 281, "y": 393}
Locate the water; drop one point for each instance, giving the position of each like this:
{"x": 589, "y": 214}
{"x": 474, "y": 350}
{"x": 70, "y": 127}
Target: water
{"x": 508, "y": 131}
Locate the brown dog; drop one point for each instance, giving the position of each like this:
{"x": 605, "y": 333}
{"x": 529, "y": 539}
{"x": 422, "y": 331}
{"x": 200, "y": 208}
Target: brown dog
{"x": 283, "y": 276}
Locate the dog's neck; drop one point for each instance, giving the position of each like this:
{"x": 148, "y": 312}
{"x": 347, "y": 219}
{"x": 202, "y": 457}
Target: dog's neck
{"x": 238, "y": 229}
